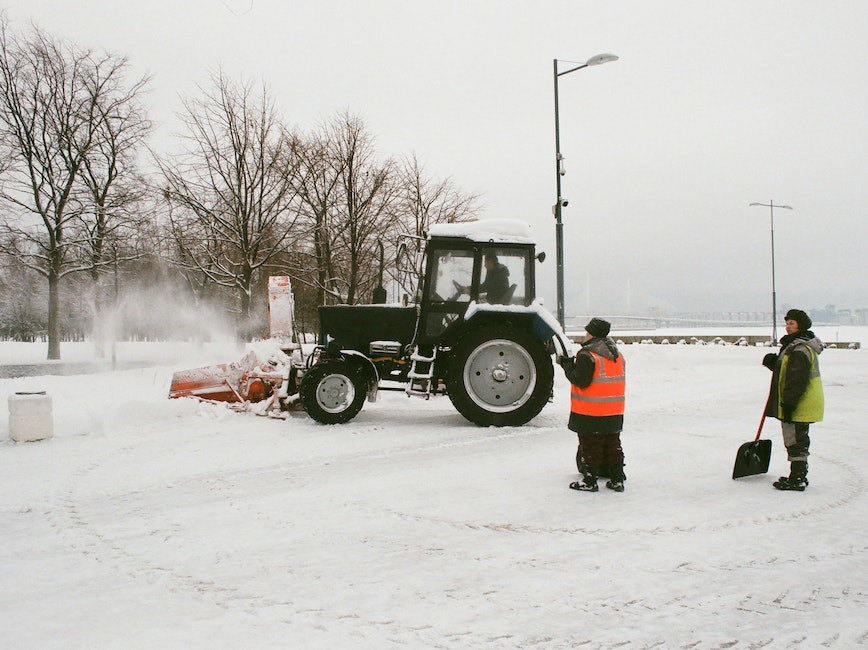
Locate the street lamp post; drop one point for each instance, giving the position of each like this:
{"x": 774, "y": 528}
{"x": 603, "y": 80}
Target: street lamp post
{"x": 560, "y": 203}
{"x": 771, "y": 206}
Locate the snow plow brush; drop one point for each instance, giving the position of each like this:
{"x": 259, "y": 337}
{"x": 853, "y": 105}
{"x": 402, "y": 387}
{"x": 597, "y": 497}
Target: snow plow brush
{"x": 753, "y": 457}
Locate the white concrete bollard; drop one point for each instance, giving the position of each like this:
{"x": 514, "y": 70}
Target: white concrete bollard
{"x": 30, "y": 417}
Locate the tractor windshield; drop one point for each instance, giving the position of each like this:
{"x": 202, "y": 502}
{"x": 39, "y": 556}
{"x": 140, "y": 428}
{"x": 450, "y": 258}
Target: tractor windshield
{"x": 452, "y": 276}
{"x": 448, "y": 287}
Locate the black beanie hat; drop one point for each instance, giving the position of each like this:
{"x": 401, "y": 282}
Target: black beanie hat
{"x": 801, "y": 318}
{"x": 598, "y": 327}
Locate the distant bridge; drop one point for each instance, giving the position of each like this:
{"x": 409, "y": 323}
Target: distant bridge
{"x": 739, "y": 319}
{"x": 752, "y": 340}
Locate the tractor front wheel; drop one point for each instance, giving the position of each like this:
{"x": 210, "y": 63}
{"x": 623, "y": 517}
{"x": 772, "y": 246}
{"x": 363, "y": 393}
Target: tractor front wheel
{"x": 333, "y": 392}
{"x": 499, "y": 376}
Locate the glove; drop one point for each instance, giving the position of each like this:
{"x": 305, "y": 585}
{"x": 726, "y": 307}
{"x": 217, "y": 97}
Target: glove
{"x": 787, "y": 412}
{"x": 770, "y": 360}
{"x": 565, "y": 361}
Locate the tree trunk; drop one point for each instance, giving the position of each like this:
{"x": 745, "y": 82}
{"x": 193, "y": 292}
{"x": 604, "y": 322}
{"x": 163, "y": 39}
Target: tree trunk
{"x": 53, "y": 314}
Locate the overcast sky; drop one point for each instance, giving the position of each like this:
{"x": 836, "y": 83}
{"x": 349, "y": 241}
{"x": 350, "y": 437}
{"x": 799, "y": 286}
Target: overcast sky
{"x": 712, "y": 106}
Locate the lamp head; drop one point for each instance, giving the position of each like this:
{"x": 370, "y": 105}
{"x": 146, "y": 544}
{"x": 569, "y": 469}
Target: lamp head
{"x": 602, "y": 58}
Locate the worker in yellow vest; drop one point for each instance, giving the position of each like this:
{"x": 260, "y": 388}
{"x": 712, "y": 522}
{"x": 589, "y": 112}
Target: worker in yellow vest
{"x": 796, "y": 394}
{"x": 598, "y": 381}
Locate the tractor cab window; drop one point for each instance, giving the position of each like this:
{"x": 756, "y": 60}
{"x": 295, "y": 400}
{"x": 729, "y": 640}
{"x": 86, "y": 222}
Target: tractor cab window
{"x": 448, "y": 292}
{"x": 452, "y": 272}
{"x": 503, "y": 280}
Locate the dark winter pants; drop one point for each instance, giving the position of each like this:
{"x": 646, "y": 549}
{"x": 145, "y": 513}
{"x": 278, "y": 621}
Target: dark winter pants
{"x": 796, "y": 440}
{"x": 600, "y": 454}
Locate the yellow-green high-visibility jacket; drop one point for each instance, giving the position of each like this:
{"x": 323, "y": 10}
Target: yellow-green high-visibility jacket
{"x": 810, "y": 404}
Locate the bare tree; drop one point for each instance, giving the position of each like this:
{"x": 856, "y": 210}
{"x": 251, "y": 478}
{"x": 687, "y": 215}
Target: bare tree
{"x": 318, "y": 190}
{"x": 109, "y": 172}
{"x": 22, "y": 310}
{"x": 232, "y": 194}
{"x": 365, "y": 214}
{"x": 54, "y": 99}
{"x": 115, "y": 217}
{"x": 423, "y": 201}
{"x": 352, "y": 202}
{"x": 346, "y": 197}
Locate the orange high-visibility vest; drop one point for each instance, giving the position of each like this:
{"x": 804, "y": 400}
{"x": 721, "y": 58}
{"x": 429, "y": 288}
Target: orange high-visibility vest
{"x": 605, "y": 394}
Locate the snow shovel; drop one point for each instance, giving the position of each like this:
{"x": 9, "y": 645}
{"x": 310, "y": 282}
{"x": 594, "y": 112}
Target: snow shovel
{"x": 753, "y": 457}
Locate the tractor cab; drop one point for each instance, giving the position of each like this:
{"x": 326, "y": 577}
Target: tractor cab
{"x": 459, "y": 269}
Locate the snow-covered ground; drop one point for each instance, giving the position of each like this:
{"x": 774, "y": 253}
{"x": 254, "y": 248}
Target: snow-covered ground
{"x": 150, "y": 523}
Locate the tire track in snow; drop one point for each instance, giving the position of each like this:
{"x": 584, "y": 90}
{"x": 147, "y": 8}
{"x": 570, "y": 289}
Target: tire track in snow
{"x": 855, "y": 490}
{"x": 251, "y": 481}
{"x": 85, "y": 536}
{"x": 69, "y": 517}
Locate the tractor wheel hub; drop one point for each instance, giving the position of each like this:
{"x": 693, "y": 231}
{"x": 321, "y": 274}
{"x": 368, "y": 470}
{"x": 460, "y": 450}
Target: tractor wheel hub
{"x": 500, "y": 373}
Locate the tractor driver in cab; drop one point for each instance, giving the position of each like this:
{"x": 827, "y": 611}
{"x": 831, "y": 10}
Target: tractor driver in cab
{"x": 495, "y": 286}
{"x": 496, "y": 283}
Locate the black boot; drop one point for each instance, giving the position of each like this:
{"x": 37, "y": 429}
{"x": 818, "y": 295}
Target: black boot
{"x": 613, "y": 484}
{"x": 617, "y": 479}
{"x": 798, "y": 478}
{"x": 589, "y": 484}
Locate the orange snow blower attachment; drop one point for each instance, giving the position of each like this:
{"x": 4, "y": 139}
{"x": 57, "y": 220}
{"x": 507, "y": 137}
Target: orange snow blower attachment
{"x": 210, "y": 382}
{"x": 249, "y": 380}
{"x": 246, "y": 380}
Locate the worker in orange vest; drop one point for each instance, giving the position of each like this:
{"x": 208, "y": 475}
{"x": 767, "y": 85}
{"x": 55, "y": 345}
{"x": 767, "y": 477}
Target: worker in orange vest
{"x": 597, "y": 407}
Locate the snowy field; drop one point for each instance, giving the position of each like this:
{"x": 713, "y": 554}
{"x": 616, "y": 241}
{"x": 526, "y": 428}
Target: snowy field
{"x": 150, "y": 523}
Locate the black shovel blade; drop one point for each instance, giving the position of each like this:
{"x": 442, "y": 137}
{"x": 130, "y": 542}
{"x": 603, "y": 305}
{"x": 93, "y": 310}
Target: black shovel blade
{"x": 752, "y": 458}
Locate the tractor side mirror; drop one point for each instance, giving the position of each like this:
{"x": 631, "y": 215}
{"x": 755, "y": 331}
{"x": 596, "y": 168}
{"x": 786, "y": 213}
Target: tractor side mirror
{"x": 541, "y": 257}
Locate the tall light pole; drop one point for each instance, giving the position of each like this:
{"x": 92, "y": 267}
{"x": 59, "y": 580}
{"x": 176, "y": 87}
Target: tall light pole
{"x": 771, "y": 206}
{"x": 560, "y": 203}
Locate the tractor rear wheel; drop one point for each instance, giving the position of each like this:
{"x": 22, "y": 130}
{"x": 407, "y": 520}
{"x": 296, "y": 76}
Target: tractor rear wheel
{"x": 333, "y": 392}
{"x": 499, "y": 376}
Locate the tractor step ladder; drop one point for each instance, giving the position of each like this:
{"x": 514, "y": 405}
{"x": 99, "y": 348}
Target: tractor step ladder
{"x": 421, "y": 373}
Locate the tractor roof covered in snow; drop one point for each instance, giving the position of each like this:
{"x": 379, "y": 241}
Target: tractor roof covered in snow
{"x": 486, "y": 231}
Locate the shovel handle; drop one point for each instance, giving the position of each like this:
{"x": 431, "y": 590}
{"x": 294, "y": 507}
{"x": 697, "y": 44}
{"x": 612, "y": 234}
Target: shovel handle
{"x": 760, "y": 429}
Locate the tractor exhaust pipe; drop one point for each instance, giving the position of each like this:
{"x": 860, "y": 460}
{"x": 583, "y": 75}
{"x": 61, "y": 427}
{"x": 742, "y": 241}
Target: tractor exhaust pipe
{"x": 379, "y": 297}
